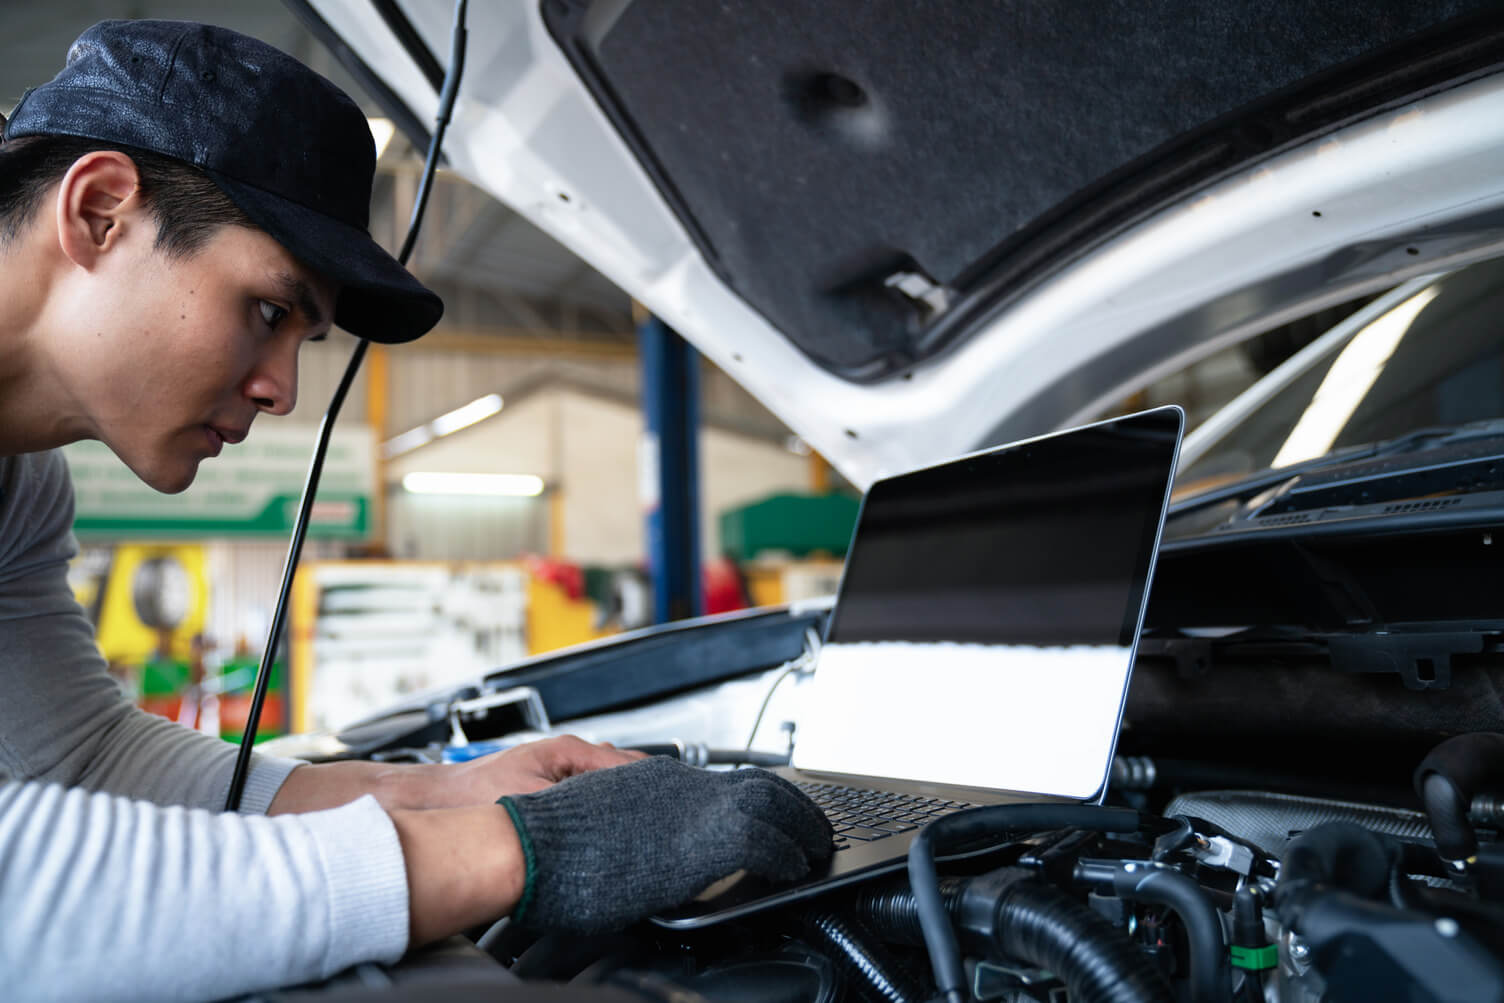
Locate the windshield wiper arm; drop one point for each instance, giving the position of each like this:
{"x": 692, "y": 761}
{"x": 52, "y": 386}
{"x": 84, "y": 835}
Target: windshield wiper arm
{"x": 1247, "y": 487}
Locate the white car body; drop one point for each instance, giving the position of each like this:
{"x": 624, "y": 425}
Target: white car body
{"x": 1406, "y": 192}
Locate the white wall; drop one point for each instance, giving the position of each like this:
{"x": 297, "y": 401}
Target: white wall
{"x": 585, "y": 448}
{"x": 520, "y": 440}
{"x": 738, "y": 470}
{"x": 433, "y": 527}
{"x": 603, "y": 520}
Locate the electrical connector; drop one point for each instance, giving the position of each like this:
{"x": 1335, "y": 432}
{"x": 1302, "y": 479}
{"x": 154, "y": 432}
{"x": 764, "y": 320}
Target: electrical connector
{"x": 1226, "y": 854}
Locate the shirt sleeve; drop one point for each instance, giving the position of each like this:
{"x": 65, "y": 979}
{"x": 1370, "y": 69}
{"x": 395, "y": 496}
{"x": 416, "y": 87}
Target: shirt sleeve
{"x": 62, "y": 719}
{"x": 107, "y": 898}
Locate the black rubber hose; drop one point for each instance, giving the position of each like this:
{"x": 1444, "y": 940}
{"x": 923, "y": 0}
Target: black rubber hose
{"x": 1448, "y": 779}
{"x": 1333, "y": 855}
{"x": 893, "y": 912}
{"x": 1030, "y": 921}
{"x": 1043, "y": 925}
{"x": 1336, "y": 855}
{"x": 851, "y": 945}
{"x": 1211, "y": 966}
{"x": 992, "y": 821}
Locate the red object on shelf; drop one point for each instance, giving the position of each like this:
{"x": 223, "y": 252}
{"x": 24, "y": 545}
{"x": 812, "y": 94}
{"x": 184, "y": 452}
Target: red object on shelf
{"x": 724, "y": 590}
{"x": 568, "y": 577}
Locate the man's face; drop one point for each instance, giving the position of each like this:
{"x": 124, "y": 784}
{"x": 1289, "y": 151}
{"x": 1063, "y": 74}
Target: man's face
{"x": 171, "y": 359}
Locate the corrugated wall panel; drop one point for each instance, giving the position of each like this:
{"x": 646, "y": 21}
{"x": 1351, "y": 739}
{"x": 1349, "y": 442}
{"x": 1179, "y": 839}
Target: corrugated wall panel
{"x": 244, "y": 576}
{"x": 437, "y": 528}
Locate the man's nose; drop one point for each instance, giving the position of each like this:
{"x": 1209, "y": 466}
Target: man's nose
{"x": 273, "y": 385}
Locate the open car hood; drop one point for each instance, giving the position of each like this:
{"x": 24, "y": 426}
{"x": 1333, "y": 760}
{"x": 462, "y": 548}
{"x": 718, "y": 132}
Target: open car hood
{"x": 916, "y": 230}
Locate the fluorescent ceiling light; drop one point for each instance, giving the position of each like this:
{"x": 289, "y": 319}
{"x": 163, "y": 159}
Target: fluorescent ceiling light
{"x": 1352, "y": 375}
{"x": 433, "y": 483}
{"x": 476, "y": 410}
{"x": 382, "y": 130}
{"x": 407, "y": 441}
{"x": 444, "y": 424}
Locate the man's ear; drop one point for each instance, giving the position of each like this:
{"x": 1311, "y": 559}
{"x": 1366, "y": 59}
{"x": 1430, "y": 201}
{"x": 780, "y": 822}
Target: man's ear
{"x": 95, "y": 205}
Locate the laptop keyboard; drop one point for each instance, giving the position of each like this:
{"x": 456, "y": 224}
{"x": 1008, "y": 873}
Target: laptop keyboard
{"x": 866, "y": 816}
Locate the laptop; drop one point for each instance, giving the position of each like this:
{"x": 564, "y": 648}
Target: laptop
{"x": 980, "y": 646}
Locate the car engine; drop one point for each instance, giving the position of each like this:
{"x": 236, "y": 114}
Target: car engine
{"x": 1213, "y": 896}
{"x": 1279, "y": 825}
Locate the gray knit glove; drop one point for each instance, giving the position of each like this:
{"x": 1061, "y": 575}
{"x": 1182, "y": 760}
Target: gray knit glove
{"x": 609, "y": 847}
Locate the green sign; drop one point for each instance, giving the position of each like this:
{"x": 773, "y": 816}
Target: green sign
{"x": 249, "y": 490}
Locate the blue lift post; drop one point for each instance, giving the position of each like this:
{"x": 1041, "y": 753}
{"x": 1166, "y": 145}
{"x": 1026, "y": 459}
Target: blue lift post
{"x": 671, "y": 468}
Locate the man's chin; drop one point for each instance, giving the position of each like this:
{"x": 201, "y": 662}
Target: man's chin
{"x": 167, "y": 478}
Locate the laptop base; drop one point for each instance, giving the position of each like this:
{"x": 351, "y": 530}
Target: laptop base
{"x": 743, "y": 894}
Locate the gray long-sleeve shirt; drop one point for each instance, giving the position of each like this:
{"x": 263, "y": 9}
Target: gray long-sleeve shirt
{"x": 118, "y": 880}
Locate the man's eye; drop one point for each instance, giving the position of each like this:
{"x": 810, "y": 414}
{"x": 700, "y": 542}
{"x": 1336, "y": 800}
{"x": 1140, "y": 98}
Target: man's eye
{"x": 271, "y": 313}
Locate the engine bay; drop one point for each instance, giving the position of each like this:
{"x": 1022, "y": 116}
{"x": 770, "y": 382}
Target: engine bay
{"x": 1309, "y": 866}
{"x": 1213, "y": 896}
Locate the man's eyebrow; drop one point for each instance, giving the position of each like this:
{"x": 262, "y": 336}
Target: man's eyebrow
{"x": 301, "y": 294}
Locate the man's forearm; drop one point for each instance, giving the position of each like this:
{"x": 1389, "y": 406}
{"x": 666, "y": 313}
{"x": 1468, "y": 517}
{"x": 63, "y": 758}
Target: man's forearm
{"x": 528, "y": 767}
{"x": 464, "y": 864}
{"x": 464, "y": 867}
{"x": 396, "y": 785}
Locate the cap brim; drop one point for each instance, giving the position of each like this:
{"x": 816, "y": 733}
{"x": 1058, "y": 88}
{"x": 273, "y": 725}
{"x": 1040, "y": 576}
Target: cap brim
{"x": 379, "y": 299}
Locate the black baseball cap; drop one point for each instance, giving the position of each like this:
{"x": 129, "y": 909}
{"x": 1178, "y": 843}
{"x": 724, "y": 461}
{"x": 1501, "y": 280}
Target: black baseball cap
{"x": 287, "y": 146}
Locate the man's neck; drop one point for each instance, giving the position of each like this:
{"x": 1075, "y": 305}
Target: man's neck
{"x": 36, "y": 412}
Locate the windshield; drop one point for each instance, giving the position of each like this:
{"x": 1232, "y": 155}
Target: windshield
{"x": 1433, "y": 360}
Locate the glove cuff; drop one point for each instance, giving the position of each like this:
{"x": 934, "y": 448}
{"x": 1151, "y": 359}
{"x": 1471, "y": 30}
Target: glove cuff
{"x": 530, "y": 862}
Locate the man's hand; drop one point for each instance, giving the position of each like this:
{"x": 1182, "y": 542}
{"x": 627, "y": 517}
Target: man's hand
{"x": 603, "y": 848}
{"x": 532, "y": 767}
{"x": 607, "y": 848}
{"x": 520, "y": 770}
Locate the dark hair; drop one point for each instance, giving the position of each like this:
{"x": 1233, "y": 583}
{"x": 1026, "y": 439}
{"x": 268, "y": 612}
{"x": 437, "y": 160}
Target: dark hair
{"x": 185, "y": 202}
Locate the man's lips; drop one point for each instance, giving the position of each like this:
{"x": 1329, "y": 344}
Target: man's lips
{"x": 218, "y": 435}
{"x": 230, "y": 435}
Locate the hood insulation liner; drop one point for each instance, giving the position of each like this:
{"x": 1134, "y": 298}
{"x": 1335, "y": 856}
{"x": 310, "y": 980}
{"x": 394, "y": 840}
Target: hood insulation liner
{"x": 873, "y": 177}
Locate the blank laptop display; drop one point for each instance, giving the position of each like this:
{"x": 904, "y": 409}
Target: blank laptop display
{"x": 984, "y": 630}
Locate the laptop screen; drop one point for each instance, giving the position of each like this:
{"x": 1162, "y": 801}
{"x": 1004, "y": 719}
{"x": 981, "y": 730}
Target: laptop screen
{"x": 984, "y": 630}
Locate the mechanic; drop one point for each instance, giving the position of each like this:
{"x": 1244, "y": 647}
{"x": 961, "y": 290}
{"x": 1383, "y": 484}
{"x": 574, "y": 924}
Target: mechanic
{"x": 180, "y": 209}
